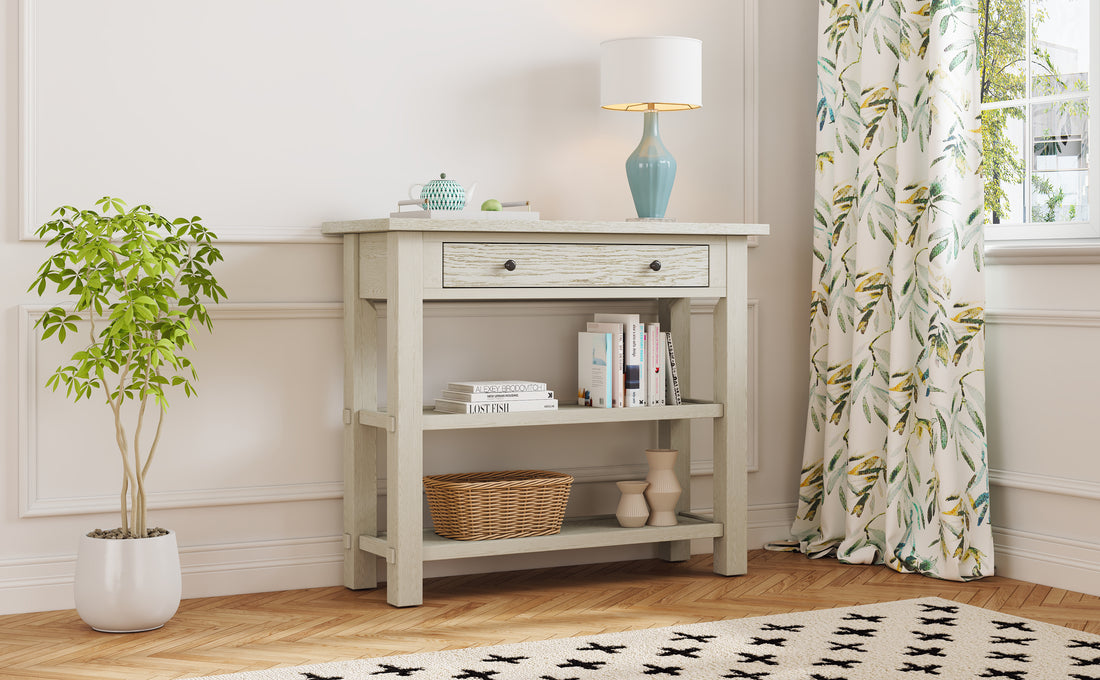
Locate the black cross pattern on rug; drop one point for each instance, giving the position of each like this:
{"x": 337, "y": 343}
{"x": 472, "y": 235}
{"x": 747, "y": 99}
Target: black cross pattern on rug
{"x": 847, "y": 646}
{"x": 1078, "y": 676}
{"x": 1009, "y": 656}
{"x": 1012, "y": 625}
{"x": 586, "y": 665}
{"x": 930, "y": 669}
{"x": 749, "y": 657}
{"x": 929, "y": 637}
{"x": 774, "y": 642}
{"x": 861, "y": 632}
{"x": 1002, "y": 640}
{"x": 468, "y": 674}
{"x": 680, "y": 637}
{"x": 846, "y": 664}
{"x": 792, "y": 628}
{"x": 313, "y": 676}
{"x": 751, "y": 675}
{"x": 661, "y": 670}
{"x": 1011, "y": 675}
{"x": 397, "y": 671}
{"x": 1095, "y": 661}
{"x": 945, "y": 608}
{"x": 923, "y": 651}
{"x": 937, "y": 621}
{"x": 872, "y": 618}
{"x": 606, "y": 649}
{"x": 819, "y": 676}
{"x": 1083, "y": 644}
{"x": 686, "y": 652}
{"x": 496, "y": 658}
{"x": 551, "y": 677}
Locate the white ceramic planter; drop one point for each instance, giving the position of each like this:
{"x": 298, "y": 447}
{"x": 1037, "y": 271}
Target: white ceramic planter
{"x": 127, "y": 585}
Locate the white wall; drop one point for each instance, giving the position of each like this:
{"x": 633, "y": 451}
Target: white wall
{"x": 267, "y": 118}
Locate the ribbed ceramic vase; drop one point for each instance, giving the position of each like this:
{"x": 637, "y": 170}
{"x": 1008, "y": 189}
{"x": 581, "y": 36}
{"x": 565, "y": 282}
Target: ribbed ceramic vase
{"x": 633, "y": 510}
{"x": 664, "y": 489}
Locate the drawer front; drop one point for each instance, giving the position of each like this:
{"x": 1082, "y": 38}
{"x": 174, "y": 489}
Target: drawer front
{"x": 575, "y": 265}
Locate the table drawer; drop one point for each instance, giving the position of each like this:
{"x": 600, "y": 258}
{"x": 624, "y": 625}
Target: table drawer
{"x": 570, "y": 265}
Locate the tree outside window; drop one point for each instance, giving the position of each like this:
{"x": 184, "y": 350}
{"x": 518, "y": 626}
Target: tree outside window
{"x": 1035, "y": 57}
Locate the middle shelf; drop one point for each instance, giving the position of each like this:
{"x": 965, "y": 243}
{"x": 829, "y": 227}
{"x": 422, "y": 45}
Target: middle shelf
{"x": 565, "y": 414}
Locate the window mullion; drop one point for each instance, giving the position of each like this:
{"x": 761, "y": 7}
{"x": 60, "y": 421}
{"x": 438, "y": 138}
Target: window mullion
{"x": 1029, "y": 134}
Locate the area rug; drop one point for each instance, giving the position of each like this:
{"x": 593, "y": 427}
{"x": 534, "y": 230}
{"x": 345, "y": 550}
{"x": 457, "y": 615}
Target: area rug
{"x": 923, "y": 638}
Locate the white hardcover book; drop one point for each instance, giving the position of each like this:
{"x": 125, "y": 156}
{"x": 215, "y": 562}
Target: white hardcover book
{"x": 660, "y": 386}
{"x": 633, "y": 385}
{"x": 449, "y": 406}
{"x": 671, "y": 379}
{"x": 616, "y": 329}
{"x": 496, "y": 396}
{"x": 654, "y": 388}
{"x": 594, "y": 369}
{"x": 496, "y": 386}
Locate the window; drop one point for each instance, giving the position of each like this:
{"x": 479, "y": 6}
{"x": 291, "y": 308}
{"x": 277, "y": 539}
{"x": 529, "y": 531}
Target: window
{"x": 1039, "y": 60}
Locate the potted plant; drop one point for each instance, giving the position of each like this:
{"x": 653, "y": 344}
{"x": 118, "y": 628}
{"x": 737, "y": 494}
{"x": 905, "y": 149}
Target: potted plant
{"x": 140, "y": 281}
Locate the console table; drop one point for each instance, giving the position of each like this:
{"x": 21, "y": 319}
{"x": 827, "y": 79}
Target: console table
{"x": 404, "y": 261}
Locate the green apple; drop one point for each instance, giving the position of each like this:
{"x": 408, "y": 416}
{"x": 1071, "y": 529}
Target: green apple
{"x": 492, "y": 204}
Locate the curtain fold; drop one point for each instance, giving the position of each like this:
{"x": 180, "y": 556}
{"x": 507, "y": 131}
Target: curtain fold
{"x": 894, "y": 467}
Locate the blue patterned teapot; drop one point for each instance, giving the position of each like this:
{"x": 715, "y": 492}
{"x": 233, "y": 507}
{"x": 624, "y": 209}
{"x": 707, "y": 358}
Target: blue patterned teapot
{"x": 442, "y": 194}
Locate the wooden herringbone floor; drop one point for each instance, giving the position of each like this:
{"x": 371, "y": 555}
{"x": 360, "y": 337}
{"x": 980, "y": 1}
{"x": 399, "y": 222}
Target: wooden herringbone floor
{"x": 249, "y": 632}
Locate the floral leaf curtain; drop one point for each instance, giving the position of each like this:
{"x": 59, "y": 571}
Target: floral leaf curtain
{"x": 894, "y": 467}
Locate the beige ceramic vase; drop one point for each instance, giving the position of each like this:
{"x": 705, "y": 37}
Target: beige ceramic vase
{"x": 632, "y": 511}
{"x": 664, "y": 489}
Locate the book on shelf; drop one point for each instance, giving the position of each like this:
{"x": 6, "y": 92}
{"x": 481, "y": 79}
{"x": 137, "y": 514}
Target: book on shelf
{"x": 502, "y": 406}
{"x": 672, "y": 380}
{"x": 594, "y": 379}
{"x": 655, "y": 385}
{"x": 616, "y": 330}
{"x": 633, "y": 350}
{"x": 485, "y": 386}
{"x": 454, "y": 395}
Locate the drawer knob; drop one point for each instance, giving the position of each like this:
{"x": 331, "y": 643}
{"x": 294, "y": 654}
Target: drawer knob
{"x": 510, "y": 265}
{"x": 655, "y": 265}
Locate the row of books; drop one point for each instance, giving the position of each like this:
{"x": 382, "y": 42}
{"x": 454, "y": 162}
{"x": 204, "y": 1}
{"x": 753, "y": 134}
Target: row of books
{"x": 495, "y": 396}
{"x": 623, "y": 362}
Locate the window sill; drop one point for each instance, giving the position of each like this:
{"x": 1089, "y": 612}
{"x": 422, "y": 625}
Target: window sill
{"x": 1067, "y": 251}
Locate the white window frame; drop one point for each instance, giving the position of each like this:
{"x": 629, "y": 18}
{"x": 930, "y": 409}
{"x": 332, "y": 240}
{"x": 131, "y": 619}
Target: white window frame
{"x": 1058, "y": 233}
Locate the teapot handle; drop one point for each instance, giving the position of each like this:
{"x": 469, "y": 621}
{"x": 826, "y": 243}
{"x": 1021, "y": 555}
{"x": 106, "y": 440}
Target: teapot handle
{"x": 414, "y": 191}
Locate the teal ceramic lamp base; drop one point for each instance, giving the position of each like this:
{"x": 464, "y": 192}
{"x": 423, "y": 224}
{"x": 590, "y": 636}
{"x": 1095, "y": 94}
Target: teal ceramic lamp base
{"x": 650, "y": 171}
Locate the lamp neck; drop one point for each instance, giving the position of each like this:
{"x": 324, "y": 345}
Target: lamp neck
{"x": 649, "y": 124}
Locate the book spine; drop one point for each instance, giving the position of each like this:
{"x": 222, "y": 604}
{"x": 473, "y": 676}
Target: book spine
{"x": 660, "y": 386}
{"x": 496, "y": 396}
{"x": 633, "y": 387}
{"x": 673, "y": 379}
{"x": 448, "y": 406}
{"x": 616, "y": 329}
{"x": 594, "y": 369}
{"x": 476, "y": 387}
{"x": 654, "y": 385}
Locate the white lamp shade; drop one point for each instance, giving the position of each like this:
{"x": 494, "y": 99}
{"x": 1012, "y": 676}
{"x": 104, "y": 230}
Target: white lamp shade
{"x": 660, "y": 73}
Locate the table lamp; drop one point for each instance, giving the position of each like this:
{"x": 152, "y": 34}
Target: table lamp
{"x": 651, "y": 75}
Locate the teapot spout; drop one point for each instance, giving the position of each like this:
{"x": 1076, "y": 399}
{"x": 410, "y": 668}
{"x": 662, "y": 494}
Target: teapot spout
{"x": 470, "y": 193}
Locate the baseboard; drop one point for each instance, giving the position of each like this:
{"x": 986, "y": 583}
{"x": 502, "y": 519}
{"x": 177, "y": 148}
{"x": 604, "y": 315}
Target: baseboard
{"x": 1064, "y": 563}
{"x": 46, "y": 583}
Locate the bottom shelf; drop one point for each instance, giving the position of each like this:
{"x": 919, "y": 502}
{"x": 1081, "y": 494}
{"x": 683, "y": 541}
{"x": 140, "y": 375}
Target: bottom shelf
{"x": 578, "y": 532}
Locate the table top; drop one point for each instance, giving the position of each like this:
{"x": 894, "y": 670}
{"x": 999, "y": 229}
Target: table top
{"x": 504, "y": 224}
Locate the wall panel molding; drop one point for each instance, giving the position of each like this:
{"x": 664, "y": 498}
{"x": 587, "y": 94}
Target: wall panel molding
{"x": 31, "y": 505}
{"x": 1073, "y": 318}
{"x": 1061, "y": 486}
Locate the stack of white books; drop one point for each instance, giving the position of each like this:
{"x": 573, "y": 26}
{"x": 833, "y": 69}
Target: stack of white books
{"x": 496, "y": 396}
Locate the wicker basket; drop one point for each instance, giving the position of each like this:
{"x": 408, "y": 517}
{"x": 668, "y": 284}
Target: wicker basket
{"x": 477, "y": 506}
